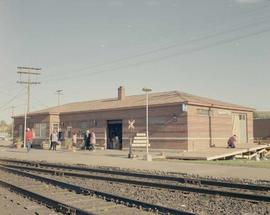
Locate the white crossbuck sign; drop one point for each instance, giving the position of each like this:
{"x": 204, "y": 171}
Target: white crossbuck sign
{"x": 131, "y": 124}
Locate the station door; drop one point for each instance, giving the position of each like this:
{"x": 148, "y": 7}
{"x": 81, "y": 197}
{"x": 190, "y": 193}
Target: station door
{"x": 239, "y": 122}
{"x": 114, "y": 134}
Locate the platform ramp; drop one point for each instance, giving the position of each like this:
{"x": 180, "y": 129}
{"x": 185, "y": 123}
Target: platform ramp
{"x": 247, "y": 151}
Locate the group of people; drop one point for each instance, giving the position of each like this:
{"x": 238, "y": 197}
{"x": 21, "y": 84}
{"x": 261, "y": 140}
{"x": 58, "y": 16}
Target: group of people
{"x": 56, "y": 138}
{"x": 89, "y": 140}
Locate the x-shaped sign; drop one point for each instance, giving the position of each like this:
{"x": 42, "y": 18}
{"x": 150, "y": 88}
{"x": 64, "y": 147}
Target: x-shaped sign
{"x": 131, "y": 124}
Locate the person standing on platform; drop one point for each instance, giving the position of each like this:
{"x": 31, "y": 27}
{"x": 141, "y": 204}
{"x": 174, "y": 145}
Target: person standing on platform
{"x": 92, "y": 140}
{"x": 87, "y": 140}
{"x": 74, "y": 139}
{"x": 29, "y": 139}
{"x": 61, "y": 136}
{"x": 51, "y": 145}
{"x": 54, "y": 140}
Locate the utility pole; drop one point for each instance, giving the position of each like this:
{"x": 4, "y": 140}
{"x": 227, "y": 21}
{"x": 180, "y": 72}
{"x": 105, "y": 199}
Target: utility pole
{"x": 28, "y": 72}
{"x": 59, "y": 93}
{"x": 12, "y": 125}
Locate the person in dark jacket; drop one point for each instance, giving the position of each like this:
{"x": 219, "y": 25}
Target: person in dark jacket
{"x": 87, "y": 140}
{"x": 61, "y": 136}
{"x": 232, "y": 141}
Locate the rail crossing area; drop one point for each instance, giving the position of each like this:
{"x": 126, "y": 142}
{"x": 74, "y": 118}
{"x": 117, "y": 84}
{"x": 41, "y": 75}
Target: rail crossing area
{"x": 108, "y": 182}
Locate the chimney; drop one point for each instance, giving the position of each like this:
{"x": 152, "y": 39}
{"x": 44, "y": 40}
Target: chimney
{"x": 121, "y": 93}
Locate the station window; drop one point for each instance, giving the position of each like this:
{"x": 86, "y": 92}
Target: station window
{"x": 21, "y": 132}
{"x": 40, "y": 130}
{"x": 69, "y": 132}
{"x": 242, "y": 117}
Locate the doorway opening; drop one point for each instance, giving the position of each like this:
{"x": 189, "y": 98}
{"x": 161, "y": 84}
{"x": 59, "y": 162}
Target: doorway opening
{"x": 239, "y": 122}
{"x": 114, "y": 128}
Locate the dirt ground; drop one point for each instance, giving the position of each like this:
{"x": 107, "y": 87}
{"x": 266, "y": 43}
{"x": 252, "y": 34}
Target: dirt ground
{"x": 119, "y": 159}
{"x": 237, "y": 162}
{"x": 11, "y": 203}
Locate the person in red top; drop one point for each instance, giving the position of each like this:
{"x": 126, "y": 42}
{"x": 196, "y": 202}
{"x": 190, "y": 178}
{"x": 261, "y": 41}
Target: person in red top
{"x": 29, "y": 138}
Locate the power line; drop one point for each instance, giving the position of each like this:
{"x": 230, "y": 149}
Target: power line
{"x": 1, "y": 91}
{"x": 148, "y": 52}
{"x": 218, "y": 43}
{"x": 235, "y": 29}
{"x": 12, "y": 99}
{"x": 15, "y": 105}
{"x": 251, "y": 12}
{"x": 40, "y": 102}
{"x": 7, "y": 93}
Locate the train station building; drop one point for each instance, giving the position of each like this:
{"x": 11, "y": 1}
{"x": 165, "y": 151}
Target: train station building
{"x": 177, "y": 120}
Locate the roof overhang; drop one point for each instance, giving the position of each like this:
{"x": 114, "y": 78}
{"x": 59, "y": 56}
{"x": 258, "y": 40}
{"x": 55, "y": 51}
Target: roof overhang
{"x": 222, "y": 107}
{"x": 36, "y": 114}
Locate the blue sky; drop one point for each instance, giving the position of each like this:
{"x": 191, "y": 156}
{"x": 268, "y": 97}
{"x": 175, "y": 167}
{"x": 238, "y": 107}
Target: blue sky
{"x": 214, "y": 48}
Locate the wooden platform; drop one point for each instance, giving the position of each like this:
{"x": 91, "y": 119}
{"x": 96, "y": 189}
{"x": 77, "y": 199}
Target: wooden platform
{"x": 248, "y": 151}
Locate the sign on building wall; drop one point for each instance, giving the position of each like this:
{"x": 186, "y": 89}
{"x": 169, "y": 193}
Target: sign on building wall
{"x": 184, "y": 107}
{"x": 131, "y": 125}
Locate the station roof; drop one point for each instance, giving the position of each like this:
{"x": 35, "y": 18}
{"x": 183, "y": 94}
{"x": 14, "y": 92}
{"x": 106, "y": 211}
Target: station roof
{"x": 155, "y": 99}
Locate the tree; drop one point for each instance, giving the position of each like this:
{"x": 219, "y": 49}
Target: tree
{"x": 5, "y": 127}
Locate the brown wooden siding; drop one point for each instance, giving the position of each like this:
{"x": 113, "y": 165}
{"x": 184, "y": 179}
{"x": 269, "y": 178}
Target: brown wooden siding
{"x": 201, "y": 127}
{"x": 163, "y": 122}
{"x": 169, "y": 127}
{"x": 262, "y": 128}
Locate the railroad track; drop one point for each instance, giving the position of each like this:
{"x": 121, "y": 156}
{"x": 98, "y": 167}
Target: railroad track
{"x": 65, "y": 197}
{"x": 178, "y": 179}
{"x": 235, "y": 190}
{"x": 11, "y": 203}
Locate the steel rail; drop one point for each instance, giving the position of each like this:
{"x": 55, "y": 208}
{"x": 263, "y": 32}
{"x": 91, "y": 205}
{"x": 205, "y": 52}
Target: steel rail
{"x": 185, "y": 180}
{"x": 107, "y": 196}
{"x": 208, "y": 190}
{"x": 57, "y": 205}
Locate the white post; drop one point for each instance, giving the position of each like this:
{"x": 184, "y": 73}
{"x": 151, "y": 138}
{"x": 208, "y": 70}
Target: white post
{"x": 147, "y": 134}
{"x": 12, "y": 130}
{"x": 25, "y": 118}
{"x": 12, "y": 125}
{"x": 148, "y": 156}
{"x": 105, "y": 139}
